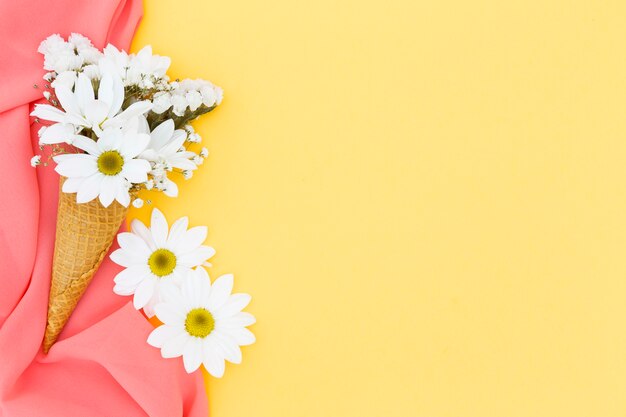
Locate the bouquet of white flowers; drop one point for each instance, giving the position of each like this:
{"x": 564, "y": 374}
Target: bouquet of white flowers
{"x": 119, "y": 125}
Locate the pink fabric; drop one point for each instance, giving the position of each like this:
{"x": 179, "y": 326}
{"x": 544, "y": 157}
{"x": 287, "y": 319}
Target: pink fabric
{"x": 101, "y": 366}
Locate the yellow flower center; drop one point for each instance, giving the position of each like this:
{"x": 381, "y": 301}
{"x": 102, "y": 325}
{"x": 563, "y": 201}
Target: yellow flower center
{"x": 162, "y": 262}
{"x": 110, "y": 162}
{"x": 199, "y": 322}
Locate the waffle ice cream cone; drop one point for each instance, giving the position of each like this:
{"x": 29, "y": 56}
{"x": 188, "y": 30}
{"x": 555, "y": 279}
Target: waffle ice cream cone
{"x": 84, "y": 235}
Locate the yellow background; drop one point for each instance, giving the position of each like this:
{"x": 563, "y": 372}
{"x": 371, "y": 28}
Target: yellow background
{"x": 425, "y": 198}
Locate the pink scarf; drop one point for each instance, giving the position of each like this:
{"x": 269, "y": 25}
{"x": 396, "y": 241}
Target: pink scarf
{"x": 101, "y": 366}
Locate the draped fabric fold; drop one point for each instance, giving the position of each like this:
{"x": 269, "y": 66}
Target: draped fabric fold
{"x": 101, "y": 366}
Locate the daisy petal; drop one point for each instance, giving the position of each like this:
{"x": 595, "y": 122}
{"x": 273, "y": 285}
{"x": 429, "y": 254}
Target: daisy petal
{"x": 136, "y": 170}
{"x": 192, "y": 355}
{"x": 111, "y": 139}
{"x": 96, "y": 112}
{"x": 125, "y": 258}
{"x": 205, "y": 286}
{"x": 183, "y": 163}
{"x": 77, "y": 165}
{"x": 158, "y": 226}
{"x": 196, "y": 257}
{"x": 169, "y": 315}
{"x": 161, "y": 134}
{"x": 143, "y": 293}
{"x": 194, "y": 237}
{"x": 89, "y": 188}
{"x": 241, "y": 319}
{"x": 175, "y": 144}
{"x": 177, "y": 232}
{"x": 126, "y": 288}
{"x": 122, "y": 196}
{"x": 71, "y": 185}
{"x": 148, "y": 310}
{"x": 83, "y": 90}
{"x": 142, "y": 125}
{"x": 143, "y": 232}
{"x": 47, "y": 112}
{"x": 123, "y": 291}
{"x": 162, "y": 334}
{"x": 134, "y": 244}
{"x": 105, "y": 90}
{"x": 171, "y": 295}
{"x": 67, "y": 100}
{"x": 173, "y": 348}
{"x": 134, "y": 144}
{"x": 191, "y": 287}
{"x": 243, "y": 337}
{"x": 111, "y": 91}
{"x": 234, "y": 305}
{"x": 84, "y": 143}
{"x": 132, "y": 276}
{"x": 108, "y": 189}
{"x": 220, "y": 291}
{"x": 57, "y": 133}
{"x": 212, "y": 360}
{"x": 135, "y": 109}
{"x": 228, "y": 347}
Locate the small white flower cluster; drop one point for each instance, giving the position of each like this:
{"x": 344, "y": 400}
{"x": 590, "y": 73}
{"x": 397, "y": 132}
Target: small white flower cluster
{"x": 189, "y": 95}
{"x": 110, "y": 94}
{"x": 144, "y": 70}
{"x": 61, "y": 56}
{"x": 192, "y": 137}
{"x": 35, "y": 160}
{"x": 66, "y": 59}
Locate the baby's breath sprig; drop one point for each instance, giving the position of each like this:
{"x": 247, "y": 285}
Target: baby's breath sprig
{"x": 48, "y": 153}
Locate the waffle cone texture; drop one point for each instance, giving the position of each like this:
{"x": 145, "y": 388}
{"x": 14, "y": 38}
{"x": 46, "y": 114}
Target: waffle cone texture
{"x": 84, "y": 233}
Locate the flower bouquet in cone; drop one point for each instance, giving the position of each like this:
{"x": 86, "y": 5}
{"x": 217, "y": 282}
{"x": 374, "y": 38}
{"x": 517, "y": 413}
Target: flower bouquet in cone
{"x": 84, "y": 234}
{"x": 118, "y": 125}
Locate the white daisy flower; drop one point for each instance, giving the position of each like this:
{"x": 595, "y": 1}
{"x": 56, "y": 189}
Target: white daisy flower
{"x": 156, "y": 256}
{"x": 84, "y": 110}
{"x": 203, "y": 323}
{"x": 106, "y": 169}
